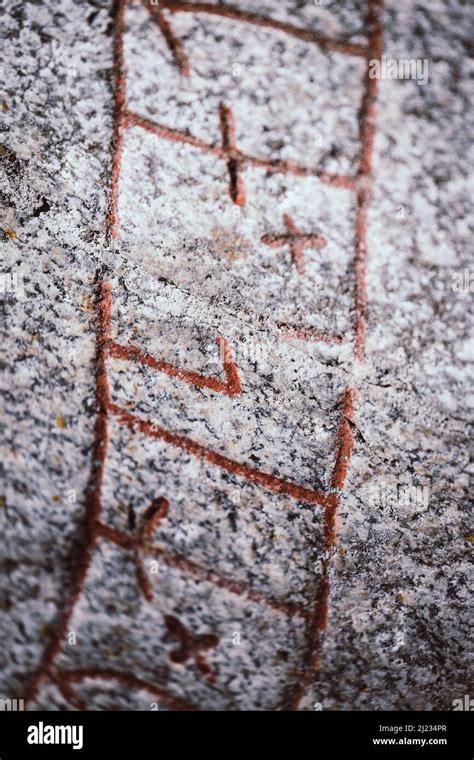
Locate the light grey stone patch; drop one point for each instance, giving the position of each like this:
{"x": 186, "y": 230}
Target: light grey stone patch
{"x": 56, "y": 117}
{"x": 163, "y": 183}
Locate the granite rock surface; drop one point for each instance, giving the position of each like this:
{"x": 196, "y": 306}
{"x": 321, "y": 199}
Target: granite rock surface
{"x": 237, "y": 333}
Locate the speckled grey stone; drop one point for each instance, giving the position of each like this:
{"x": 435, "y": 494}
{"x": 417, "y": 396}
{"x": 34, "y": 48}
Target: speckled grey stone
{"x": 187, "y": 265}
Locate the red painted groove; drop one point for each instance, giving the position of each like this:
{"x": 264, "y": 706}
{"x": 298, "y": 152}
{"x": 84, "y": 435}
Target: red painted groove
{"x": 174, "y": 43}
{"x": 274, "y": 166}
{"x": 269, "y": 482}
{"x": 129, "y": 681}
{"x": 296, "y": 240}
{"x": 192, "y": 569}
{"x": 366, "y": 135}
{"x": 130, "y": 542}
{"x": 229, "y": 388}
{"x": 156, "y": 512}
{"x": 142, "y": 579}
{"x": 310, "y": 334}
{"x": 344, "y": 440}
{"x": 124, "y": 540}
{"x": 344, "y": 448}
{"x": 93, "y": 495}
{"x": 366, "y": 138}
{"x": 118, "y": 124}
{"x": 318, "y": 622}
{"x": 68, "y": 693}
{"x": 230, "y": 367}
{"x": 236, "y": 186}
{"x": 229, "y": 11}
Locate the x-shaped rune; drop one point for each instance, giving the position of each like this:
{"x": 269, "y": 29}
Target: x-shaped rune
{"x": 189, "y": 646}
{"x": 296, "y": 240}
{"x": 135, "y": 540}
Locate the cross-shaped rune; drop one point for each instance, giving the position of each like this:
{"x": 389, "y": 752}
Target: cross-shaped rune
{"x": 296, "y": 240}
{"x": 189, "y": 646}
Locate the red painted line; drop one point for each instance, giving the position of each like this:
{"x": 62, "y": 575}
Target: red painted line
{"x": 342, "y": 181}
{"x": 192, "y": 569}
{"x": 229, "y": 11}
{"x": 156, "y": 512}
{"x": 124, "y": 679}
{"x": 366, "y": 138}
{"x": 316, "y": 630}
{"x": 174, "y": 43}
{"x": 93, "y": 496}
{"x": 68, "y": 693}
{"x": 238, "y": 588}
{"x": 134, "y": 120}
{"x": 236, "y": 186}
{"x": 118, "y": 123}
{"x": 229, "y": 388}
{"x": 142, "y": 579}
{"x": 124, "y": 540}
{"x": 230, "y": 367}
{"x": 344, "y": 440}
{"x": 269, "y": 482}
{"x": 318, "y": 622}
{"x": 344, "y": 449}
{"x": 274, "y": 166}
